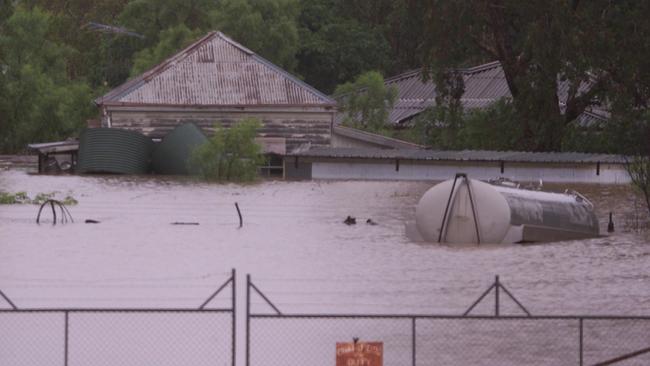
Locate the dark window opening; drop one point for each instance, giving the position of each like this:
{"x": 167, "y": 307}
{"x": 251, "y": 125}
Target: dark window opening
{"x": 273, "y": 167}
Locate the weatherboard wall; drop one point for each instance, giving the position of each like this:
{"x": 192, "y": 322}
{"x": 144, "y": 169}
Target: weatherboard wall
{"x": 297, "y": 125}
{"x": 375, "y": 169}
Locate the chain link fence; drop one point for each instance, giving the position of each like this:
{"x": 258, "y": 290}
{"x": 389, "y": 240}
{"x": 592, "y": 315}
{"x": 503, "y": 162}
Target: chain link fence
{"x": 423, "y": 340}
{"x": 120, "y": 337}
{"x": 32, "y": 338}
{"x": 206, "y": 336}
{"x": 447, "y": 340}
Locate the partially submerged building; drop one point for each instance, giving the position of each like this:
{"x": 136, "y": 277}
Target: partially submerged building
{"x": 218, "y": 81}
{"x": 437, "y": 165}
{"x": 484, "y": 85}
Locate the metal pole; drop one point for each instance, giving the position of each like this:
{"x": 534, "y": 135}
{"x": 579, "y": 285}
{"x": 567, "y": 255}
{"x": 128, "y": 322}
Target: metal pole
{"x": 496, "y": 296}
{"x": 581, "y": 340}
{"x": 241, "y": 221}
{"x": 471, "y": 201}
{"x": 478, "y": 300}
{"x": 66, "y": 344}
{"x": 234, "y": 317}
{"x": 248, "y": 319}
{"x": 413, "y": 339}
{"x": 444, "y": 217}
{"x": 13, "y": 306}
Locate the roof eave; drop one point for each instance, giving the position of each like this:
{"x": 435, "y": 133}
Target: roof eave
{"x": 132, "y": 104}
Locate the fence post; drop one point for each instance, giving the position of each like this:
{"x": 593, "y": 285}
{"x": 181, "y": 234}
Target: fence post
{"x": 234, "y": 317}
{"x": 496, "y": 296}
{"x": 248, "y": 318}
{"x": 581, "y": 340}
{"x": 413, "y": 339}
{"x": 65, "y": 344}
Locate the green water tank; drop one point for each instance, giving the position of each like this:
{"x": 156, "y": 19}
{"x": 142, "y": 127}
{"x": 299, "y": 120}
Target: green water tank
{"x": 172, "y": 154}
{"x": 113, "y": 150}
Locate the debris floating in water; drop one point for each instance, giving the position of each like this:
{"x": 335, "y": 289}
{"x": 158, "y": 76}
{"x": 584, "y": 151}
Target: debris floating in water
{"x": 350, "y": 220}
{"x": 91, "y": 221}
{"x": 370, "y": 222}
{"x": 185, "y": 223}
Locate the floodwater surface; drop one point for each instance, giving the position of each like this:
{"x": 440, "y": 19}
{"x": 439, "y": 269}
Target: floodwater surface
{"x": 298, "y": 251}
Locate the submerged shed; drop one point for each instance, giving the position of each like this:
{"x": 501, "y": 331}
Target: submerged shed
{"x": 217, "y": 80}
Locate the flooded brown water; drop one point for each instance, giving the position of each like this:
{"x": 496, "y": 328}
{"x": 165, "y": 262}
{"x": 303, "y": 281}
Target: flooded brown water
{"x": 298, "y": 251}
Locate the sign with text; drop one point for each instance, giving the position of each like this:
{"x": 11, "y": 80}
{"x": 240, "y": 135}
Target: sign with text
{"x": 359, "y": 354}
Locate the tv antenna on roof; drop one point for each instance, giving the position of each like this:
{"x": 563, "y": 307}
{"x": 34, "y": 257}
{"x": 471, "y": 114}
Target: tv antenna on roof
{"x": 104, "y": 28}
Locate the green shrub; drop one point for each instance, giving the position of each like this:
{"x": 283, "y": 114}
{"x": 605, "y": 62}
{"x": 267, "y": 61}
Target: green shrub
{"x": 7, "y": 198}
{"x": 230, "y": 155}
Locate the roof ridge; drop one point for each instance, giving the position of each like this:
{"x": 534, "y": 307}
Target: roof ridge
{"x": 293, "y": 78}
{"x": 137, "y": 81}
{"x": 482, "y": 67}
{"x": 404, "y": 75}
{"x": 465, "y": 70}
{"x": 234, "y": 43}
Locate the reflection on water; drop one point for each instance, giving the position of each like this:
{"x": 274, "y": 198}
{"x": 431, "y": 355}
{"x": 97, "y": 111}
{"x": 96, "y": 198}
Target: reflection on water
{"x": 298, "y": 251}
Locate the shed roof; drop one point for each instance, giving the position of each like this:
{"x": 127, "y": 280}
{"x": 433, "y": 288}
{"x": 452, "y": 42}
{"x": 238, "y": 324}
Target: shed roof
{"x": 484, "y": 85}
{"x": 215, "y": 71}
{"x": 462, "y": 155}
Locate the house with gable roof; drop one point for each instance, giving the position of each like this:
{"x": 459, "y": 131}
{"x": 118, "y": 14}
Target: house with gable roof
{"x": 218, "y": 81}
{"x": 484, "y": 85}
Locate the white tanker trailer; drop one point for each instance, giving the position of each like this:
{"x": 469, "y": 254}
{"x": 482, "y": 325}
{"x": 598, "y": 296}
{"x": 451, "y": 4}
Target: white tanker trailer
{"x": 465, "y": 211}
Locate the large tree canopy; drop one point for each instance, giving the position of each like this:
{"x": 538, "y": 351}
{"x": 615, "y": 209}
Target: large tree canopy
{"x": 38, "y": 99}
{"x": 581, "y": 44}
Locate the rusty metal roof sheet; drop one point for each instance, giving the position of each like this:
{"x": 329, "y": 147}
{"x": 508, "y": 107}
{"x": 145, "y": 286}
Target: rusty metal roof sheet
{"x": 462, "y": 155}
{"x": 484, "y": 85}
{"x": 215, "y": 71}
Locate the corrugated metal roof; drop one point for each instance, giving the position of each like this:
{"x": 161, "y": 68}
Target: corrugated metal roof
{"x": 463, "y": 155}
{"x": 374, "y": 138}
{"x": 215, "y": 71}
{"x": 484, "y": 85}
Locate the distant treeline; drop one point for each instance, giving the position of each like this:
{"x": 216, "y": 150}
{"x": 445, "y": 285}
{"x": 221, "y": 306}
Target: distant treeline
{"x": 56, "y": 56}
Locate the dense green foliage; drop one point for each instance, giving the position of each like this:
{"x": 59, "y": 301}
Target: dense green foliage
{"x": 38, "y": 99}
{"x": 230, "y": 154}
{"x": 599, "y": 43}
{"x": 366, "y": 101}
{"x": 453, "y": 128}
{"x": 52, "y": 64}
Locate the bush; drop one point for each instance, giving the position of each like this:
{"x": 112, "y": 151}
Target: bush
{"x": 455, "y": 128}
{"x": 366, "y": 102}
{"x": 230, "y": 155}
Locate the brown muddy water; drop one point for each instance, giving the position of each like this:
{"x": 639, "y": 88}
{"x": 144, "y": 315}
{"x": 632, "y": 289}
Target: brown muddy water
{"x": 298, "y": 251}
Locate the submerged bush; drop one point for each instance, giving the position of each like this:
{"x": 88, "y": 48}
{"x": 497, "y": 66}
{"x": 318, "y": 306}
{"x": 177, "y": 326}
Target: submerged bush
{"x": 230, "y": 155}
{"x": 639, "y": 171}
{"x": 7, "y": 198}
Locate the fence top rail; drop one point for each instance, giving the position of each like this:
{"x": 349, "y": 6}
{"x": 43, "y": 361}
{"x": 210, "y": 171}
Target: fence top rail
{"x": 465, "y": 317}
{"x": 116, "y": 310}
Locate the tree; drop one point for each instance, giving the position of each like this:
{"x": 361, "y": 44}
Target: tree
{"x": 230, "y": 154}
{"x": 335, "y": 47}
{"x": 454, "y": 128}
{"x": 267, "y": 27}
{"x": 638, "y": 168}
{"x": 38, "y": 100}
{"x": 366, "y": 101}
{"x": 540, "y": 43}
{"x": 151, "y": 17}
{"x": 171, "y": 41}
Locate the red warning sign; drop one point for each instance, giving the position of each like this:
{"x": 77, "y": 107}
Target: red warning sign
{"x": 359, "y": 354}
